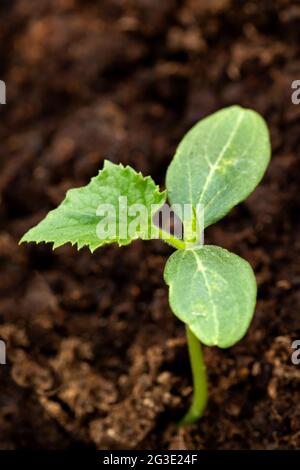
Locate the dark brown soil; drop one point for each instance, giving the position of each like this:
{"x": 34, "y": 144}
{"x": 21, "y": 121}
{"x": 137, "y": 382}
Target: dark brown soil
{"x": 95, "y": 357}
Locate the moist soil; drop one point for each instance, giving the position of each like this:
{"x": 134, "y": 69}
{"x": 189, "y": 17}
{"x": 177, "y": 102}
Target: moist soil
{"x": 95, "y": 358}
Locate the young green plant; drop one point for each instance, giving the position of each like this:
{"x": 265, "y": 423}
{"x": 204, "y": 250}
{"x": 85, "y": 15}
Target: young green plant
{"x": 217, "y": 165}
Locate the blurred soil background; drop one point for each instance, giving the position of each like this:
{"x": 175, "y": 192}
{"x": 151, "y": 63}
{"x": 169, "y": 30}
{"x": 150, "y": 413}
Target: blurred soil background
{"x": 95, "y": 357}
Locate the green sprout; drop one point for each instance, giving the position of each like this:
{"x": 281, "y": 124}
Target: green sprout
{"x": 217, "y": 165}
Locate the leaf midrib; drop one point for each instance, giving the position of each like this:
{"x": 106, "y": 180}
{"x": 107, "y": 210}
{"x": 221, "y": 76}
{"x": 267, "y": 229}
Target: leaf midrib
{"x": 215, "y": 165}
{"x": 202, "y": 270}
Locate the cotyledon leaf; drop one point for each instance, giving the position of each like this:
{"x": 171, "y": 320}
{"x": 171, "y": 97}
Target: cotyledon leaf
{"x": 213, "y": 291}
{"x": 219, "y": 162}
{"x": 76, "y": 219}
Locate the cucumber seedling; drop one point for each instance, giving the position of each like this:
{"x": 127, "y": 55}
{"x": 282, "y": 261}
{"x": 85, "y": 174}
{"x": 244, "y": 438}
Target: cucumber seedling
{"x": 218, "y": 164}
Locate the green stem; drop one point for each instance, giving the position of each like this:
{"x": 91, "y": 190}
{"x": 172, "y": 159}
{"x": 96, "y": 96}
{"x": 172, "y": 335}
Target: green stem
{"x": 171, "y": 240}
{"x": 200, "y": 395}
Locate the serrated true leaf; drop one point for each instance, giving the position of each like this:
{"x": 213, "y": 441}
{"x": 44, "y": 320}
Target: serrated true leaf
{"x": 219, "y": 162}
{"x": 76, "y": 219}
{"x": 213, "y": 291}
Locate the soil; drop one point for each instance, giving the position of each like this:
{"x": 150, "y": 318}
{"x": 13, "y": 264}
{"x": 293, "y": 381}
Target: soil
{"x": 95, "y": 357}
